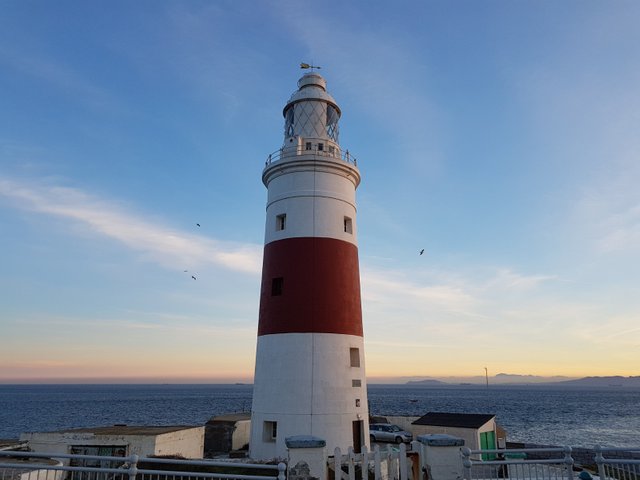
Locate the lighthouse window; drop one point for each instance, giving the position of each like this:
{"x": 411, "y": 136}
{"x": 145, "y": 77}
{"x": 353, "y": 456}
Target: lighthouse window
{"x": 354, "y": 354}
{"x": 307, "y": 146}
{"x": 356, "y": 382}
{"x": 270, "y": 431}
{"x": 320, "y": 147}
{"x": 332, "y": 123}
{"x": 288, "y": 123}
{"x": 276, "y": 286}
{"x": 281, "y": 221}
{"x": 348, "y": 225}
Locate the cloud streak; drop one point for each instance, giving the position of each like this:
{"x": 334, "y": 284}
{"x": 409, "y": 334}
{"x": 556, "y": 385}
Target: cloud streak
{"x": 162, "y": 244}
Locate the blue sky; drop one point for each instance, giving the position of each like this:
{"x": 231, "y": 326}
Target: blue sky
{"x": 502, "y": 137}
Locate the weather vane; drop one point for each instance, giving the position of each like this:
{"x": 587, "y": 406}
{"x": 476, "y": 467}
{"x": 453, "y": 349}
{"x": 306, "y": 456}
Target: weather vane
{"x": 306, "y": 65}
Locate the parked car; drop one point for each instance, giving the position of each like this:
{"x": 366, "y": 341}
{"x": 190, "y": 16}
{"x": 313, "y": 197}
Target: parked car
{"x": 386, "y": 432}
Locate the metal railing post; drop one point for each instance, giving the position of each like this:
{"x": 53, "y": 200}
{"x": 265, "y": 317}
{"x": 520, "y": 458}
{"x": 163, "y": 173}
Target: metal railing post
{"x": 466, "y": 462}
{"x": 568, "y": 461}
{"x": 133, "y": 467}
{"x": 599, "y": 459}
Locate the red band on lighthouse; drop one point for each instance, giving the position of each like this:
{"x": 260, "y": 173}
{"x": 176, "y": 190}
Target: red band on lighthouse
{"x": 313, "y": 295}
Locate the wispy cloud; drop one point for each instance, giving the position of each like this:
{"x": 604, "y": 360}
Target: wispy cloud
{"x": 162, "y": 244}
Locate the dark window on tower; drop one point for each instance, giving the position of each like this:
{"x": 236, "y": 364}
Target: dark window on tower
{"x": 356, "y": 382}
{"x": 307, "y": 146}
{"x": 348, "y": 225}
{"x": 354, "y": 354}
{"x": 276, "y": 286}
{"x": 281, "y": 221}
{"x": 270, "y": 432}
{"x": 320, "y": 147}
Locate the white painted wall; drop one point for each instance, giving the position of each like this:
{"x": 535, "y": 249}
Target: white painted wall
{"x": 188, "y": 442}
{"x": 315, "y": 204}
{"x": 241, "y": 434}
{"x": 304, "y": 382}
{"x": 470, "y": 436}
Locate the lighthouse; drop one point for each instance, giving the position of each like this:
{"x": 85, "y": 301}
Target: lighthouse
{"x": 310, "y": 372}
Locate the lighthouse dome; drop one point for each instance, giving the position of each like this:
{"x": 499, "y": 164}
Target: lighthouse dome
{"x": 312, "y": 86}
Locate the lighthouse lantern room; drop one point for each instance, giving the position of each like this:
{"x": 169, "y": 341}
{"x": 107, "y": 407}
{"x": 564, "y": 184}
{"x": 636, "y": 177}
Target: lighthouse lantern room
{"x": 310, "y": 375}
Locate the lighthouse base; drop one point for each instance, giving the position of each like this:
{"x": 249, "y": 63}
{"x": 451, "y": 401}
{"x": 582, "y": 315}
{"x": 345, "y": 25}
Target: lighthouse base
{"x": 308, "y": 384}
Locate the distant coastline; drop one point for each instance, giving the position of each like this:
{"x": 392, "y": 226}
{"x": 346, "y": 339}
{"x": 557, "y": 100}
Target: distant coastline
{"x": 505, "y": 379}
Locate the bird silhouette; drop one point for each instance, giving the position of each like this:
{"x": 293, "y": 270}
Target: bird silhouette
{"x": 193, "y": 277}
{"x": 186, "y": 271}
{"x": 421, "y": 251}
{"x": 197, "y": 224}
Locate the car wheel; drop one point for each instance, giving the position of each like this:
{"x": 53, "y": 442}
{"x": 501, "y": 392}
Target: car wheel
{"x": 398, "y": 439}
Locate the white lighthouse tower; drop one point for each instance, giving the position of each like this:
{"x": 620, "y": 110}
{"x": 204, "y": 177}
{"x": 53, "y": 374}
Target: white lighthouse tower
{"x": 310, "y": 376}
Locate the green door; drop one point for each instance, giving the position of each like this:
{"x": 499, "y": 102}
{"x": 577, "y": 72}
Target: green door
{"x": 488, "y": 442}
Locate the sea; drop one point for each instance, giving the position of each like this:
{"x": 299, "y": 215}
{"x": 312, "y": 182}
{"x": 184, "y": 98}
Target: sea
{"x": 538, "y": 415}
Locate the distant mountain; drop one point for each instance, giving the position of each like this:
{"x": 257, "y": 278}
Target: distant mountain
{"x": 499, "y": 379}
{"x": 426, "y": 382}
{"x": 614, "y": 381}
{"x": 512, "y": 379}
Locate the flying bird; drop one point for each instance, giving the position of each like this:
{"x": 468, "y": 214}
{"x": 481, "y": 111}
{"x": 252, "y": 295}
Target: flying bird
{"x": 186, "y": 271}
{"x": 193, "y": 277}
{"x": 421, "y": 251}
{"x": 197, "y": 224}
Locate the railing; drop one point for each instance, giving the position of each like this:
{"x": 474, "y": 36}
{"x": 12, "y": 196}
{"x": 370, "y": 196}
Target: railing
{"x": 549, "y": 463}
{"x": 557, "y": 465}
{"x": 620, "y": 464}
{"x": 386, "y": 464}
{"x": 286, "y": 152}
{"x": 20, "y": 466}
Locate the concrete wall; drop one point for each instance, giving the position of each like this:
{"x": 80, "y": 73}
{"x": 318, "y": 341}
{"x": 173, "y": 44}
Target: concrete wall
{"x": 470, "y": 436}
{"x": 187, "y": 442}
{"x": 241, "y": 434}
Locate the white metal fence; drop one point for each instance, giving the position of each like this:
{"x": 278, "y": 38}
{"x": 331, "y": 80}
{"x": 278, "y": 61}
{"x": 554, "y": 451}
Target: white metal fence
{"x": 38, "y": 466}
{"x": 390, "y": 463}
{"x": 549, "y": 464}
{"x": 618, "y": 464}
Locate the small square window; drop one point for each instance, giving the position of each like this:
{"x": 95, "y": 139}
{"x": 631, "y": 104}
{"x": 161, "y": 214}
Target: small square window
{"x": 320, "y": 147}
{"x": 332, "y": 149}
{"x": 276, "y": 286}
{"x": 357, "y": 402}
{"x": 356, "y": 382}
{"x": 348, "y": 225}
{"x": 281, "y": 221}
{"x": 354, "y": 355}
{"x": 270, "y": 432}
{"x": 307, "y": 146}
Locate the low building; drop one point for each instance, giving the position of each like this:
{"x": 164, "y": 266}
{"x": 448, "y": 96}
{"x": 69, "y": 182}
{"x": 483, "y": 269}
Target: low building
{"x": 478, "y": 430}
{"x": 227, "y": 433}
{"x": 121, "y": 441}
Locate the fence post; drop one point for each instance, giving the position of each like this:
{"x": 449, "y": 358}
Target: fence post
{"x": 466, "y": 462}
{"x": 403, "y": 473}
{"x": 337, "y": 464}
{"x": 600, "y": 463}
{"x": 282, "y": 467}
{"x": 307, "y": 457}
{"x": 133, "y": 467}
{"x": 568, "y": 461}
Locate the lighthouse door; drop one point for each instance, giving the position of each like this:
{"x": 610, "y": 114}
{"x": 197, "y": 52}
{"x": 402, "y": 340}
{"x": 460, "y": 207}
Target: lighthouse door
{"x": 358, "y": 436}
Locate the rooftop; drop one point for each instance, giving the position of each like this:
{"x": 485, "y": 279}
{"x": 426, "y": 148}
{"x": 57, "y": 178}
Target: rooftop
{"x": 462, "y": 420}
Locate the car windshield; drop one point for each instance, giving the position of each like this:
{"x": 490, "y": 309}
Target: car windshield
{"x": 395, "y": 428}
